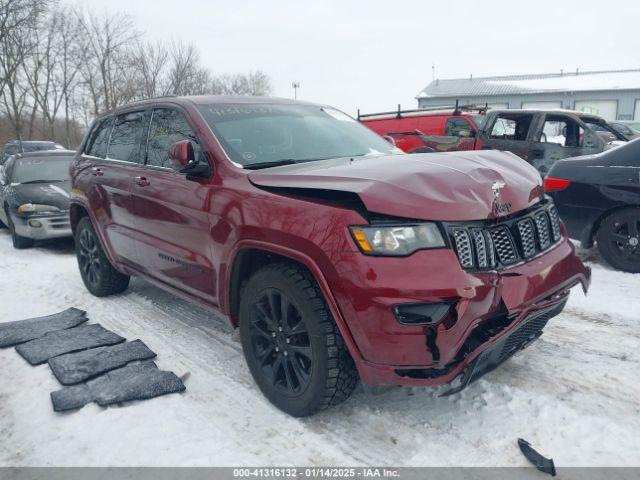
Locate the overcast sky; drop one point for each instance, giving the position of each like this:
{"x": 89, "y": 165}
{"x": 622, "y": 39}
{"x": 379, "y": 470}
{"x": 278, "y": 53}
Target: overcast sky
{"x": 375, "y": 54}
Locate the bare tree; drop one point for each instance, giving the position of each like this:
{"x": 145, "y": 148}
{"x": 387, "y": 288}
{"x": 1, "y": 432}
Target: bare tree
{"x": 186, "y": 74}
{"x": 104, "y": 57}
{"x": 254, "y": 83}
{"x": 18, "y": 22}
{"x": 151, "y": 61}
{"x": 76, "y": 63}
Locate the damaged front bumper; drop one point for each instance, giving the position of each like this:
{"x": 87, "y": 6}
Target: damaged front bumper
{"x": 493, "y": 314}
{"x": 43, "y": 227}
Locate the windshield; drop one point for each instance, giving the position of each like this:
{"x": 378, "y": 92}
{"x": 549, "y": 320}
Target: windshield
{"x": 257, "y": 134}
{"x": 39, "y": 147}
{"x": 601, "y": 127}
{"x": 30, "y": 170}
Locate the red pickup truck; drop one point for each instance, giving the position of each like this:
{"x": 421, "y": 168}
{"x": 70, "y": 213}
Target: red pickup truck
{"x": 441, "y": 129}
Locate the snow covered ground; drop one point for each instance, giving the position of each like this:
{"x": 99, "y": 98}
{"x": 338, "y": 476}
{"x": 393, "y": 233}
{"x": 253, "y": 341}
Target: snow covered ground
{"x": 574, "y": 394}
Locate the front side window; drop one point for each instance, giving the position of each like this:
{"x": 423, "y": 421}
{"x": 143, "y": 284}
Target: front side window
{"x": 98, "y": 139}
{"x": 511, "y": 126}
{"x": 124, "y": 143}
{"x": 561, "y": 130}
{"x": 623, "y": 129}
{"x": 455, "y": 126}
{"x": 255, "y": 134}
{"x": 167, "y": 127}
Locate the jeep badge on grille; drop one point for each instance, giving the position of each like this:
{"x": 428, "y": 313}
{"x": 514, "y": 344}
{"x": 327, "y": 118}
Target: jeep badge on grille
{"x": 499, "y": 207}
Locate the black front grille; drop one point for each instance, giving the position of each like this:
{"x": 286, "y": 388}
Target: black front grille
{"x": 502, "y": 243}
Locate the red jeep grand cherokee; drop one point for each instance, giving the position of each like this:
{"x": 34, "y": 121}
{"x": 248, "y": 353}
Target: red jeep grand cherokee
{"x": 336, "y": 255}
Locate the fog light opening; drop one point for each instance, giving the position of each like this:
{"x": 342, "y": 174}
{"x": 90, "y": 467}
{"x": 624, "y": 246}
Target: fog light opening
{"x": 35, "y": 223}
{"x": 421, "y": 313}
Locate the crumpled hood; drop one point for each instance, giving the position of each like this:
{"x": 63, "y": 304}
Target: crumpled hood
{"x": 56, "y": 193}
{"x": 429, "y": 186}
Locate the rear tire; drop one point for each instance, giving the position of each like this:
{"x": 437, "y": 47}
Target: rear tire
{"x": 19, "y": 242}
{"x": 619, "y": 240}
{"x": 291, "y": 342}
{"x": 97, "y": 273}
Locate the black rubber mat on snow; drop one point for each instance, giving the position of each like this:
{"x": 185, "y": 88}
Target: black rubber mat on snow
{"x": 14, "y": 333}
{"x": 77, "y": 367}
{"x": 133, "y": 382}
{"x": 66, "y": 341}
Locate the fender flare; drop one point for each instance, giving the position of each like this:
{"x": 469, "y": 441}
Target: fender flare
{"x": 101, "y": 236}
{"x": 315, "y": 271}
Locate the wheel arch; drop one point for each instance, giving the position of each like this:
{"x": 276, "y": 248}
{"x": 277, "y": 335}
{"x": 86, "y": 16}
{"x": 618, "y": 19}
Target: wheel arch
{"x": 250, "y": 256}
{"x": 76, "y": 212}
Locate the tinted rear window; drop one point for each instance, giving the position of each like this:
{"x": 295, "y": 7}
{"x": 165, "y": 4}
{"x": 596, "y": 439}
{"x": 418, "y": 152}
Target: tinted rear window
{"x": 98, "y": 139}
{"x": 124, "y": 143}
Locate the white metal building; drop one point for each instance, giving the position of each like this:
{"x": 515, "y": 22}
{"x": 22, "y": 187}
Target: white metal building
{"x": 612, "y": 94}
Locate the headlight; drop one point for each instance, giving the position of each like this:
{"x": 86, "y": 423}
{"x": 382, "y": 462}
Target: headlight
{"x": 397, "y": 240}
{"x": 37, "y": 208}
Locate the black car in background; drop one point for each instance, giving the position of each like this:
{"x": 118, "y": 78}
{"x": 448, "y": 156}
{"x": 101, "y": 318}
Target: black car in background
{"x": 598, "y": 197}
{"x": 28, "y": 146}
{"x": 34, "y": 196}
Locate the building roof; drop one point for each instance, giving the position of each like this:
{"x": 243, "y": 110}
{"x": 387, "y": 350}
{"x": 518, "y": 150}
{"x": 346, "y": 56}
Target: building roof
{"x": 536, "y": 83}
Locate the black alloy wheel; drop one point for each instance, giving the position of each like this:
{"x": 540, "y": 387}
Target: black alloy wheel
{"x": 88, "y": 257}
{"x": 619, "y": 240}
{"x": 291, "y": 342}
{"x": 98, "y": 275}
{"x": 280, "y": 342}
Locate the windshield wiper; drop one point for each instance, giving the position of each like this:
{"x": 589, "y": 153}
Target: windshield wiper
{"x": 41, "y": 181}
{"x": 277, "y": 163}
{"x": 291, "y": 161}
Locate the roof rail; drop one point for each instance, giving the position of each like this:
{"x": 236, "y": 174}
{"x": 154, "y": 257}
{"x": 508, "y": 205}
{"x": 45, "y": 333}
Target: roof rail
{"x": 457, "y": 110}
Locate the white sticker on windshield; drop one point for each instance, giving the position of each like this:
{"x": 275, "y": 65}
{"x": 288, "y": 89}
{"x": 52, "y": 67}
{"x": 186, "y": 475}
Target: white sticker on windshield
{"x": 338, "y": 115}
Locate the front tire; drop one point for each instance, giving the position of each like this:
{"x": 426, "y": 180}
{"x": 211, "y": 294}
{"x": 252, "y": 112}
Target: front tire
{"x": 97, "y": 273}
{"x": 19, "y": 242}
{"x": 291, "y": 342}
{"x": 619, "y": 240}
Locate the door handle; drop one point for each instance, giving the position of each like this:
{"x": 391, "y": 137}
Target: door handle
{"x": 141, "y": 181}
{"x": 97, "y": 172}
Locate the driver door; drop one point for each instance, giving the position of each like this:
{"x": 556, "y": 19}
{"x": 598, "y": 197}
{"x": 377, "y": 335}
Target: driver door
{"x": 172, "y": 212}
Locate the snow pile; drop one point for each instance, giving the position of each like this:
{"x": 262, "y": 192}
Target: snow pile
{"x": 573, "y": 394}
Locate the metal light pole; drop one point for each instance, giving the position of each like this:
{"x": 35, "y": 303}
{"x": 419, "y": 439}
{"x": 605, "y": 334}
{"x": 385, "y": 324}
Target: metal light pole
{"x": 296, "y": 86}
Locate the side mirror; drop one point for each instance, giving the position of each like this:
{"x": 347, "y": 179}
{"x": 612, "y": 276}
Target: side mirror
{"x": 183, "y": 160}
{"x": 181, "y": 154}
